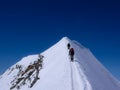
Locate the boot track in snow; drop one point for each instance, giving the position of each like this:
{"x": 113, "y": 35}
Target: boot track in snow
{"x": 79, "y": 81}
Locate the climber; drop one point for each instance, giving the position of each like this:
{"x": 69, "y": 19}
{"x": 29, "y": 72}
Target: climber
{"x": 71, "y": 53}
{"x": 68, "y": 45}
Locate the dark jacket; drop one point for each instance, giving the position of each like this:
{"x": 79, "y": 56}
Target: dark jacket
{"x": 68, "y": 45}
{"x": 71, "y": 52}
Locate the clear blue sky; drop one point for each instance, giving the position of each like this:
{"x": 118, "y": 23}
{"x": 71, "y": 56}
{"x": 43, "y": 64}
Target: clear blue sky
{"x": 30, "y": 27}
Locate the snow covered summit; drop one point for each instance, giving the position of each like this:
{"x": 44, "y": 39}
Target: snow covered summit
{"x": 53, "y": 70}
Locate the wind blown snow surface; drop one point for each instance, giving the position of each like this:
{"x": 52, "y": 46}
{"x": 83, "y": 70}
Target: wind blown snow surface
{"x": 59, "y": 73}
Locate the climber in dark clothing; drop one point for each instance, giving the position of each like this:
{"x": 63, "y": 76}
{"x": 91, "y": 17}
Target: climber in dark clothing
{"x": 71, "y": 53}
{"x": 68, "y": 45}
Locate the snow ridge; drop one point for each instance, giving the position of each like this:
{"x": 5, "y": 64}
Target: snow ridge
{"x": 59, "y": 73}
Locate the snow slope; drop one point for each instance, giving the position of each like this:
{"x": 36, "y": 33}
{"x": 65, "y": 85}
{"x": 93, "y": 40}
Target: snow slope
{"x": 59, "y": 73}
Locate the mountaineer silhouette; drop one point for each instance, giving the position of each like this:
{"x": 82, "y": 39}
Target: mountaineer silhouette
{"x": 68, "y": 45}
{"x": 71, "y": 52}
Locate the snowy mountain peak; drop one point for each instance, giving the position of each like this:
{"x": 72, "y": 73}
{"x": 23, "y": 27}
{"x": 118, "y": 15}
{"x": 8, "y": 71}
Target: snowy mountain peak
{"x": 54, "y": 70}
{"x": 64, "y": 41}
{"x": 65, "y": 38}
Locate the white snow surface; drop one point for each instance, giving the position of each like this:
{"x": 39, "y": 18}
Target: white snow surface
{"x": 59, "y": 73}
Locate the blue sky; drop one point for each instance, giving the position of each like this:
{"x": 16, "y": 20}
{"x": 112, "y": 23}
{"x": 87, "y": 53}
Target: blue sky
{"x": 30, "y": 27}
